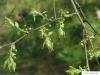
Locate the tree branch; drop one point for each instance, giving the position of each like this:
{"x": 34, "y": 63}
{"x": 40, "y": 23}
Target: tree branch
{"x": 16, "y": 41}
{"x": 84, "y": 32}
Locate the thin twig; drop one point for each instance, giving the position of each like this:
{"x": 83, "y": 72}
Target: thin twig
{"x": 8, "y": 44}
{"x": 87, "y": 60}
{"x": 84, "y": 32}
{"x": 77, "y": 13}
{"x": 86, "y": 50}
{"x": 54, "y": 9}
{"x": 84, "y": 17}
{"x": 10, "y": 14}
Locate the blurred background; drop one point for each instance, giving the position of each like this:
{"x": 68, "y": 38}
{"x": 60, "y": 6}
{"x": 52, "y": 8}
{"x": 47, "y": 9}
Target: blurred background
{"x": 31, "y": 59}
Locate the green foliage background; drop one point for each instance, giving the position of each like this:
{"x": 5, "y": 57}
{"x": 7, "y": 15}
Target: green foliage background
{"x": 31, "y": 58}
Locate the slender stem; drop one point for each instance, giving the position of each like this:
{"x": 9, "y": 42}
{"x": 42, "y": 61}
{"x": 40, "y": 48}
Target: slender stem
{"x": 8, "y": 44}
{"x": 54, "y": 9}
{"x": 86, "y": 50}
{"x": 77, "y": 12}
{"x": 84, "y": 32}
{"x": 12, "y": 11}
{"x": 87, "y": 60}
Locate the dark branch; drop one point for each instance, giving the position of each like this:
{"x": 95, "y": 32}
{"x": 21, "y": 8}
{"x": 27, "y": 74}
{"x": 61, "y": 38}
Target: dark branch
{"x": 84, "y": 17}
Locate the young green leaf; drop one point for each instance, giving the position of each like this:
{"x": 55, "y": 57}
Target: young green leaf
{"x": 9, "y": 62}
{"x": 48, "y": 43}
{"x": 61, "y": 32}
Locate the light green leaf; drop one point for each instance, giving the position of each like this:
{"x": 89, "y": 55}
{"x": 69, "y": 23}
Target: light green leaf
{"x": 9, "y": 21}
{"x": 61, "y": 32}
{"x": 6, "y": 63}
{"x": 16, "y": 25}
{"x": 50, "y": 33}
{"x": 14, "y": 66}
{"x": 48, "y": 43}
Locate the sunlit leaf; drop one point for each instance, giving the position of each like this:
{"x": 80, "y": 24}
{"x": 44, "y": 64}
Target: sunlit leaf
{"x": 9, "y": 62}
{"x": 61, "y": 32}
{"x": 74, "y": 71}
{"x": 48, "y": 43}
{"x": 9, "y": 21}
{"x": 50, "y": 33}
{"x": 17, "y": 25}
